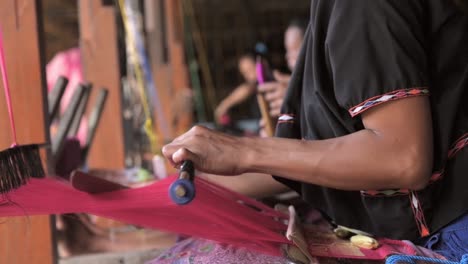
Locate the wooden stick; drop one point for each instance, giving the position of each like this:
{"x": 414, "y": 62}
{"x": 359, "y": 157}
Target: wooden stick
{"x": 93, "y": 122}
{"x": 263, "y": 77}
{"x": 92, "y": 184}
{"x": 66, "y": 122}
{"x": 265, "y": 111}
{"x": 55, "y": 96}
{"x": 75, "y": 126}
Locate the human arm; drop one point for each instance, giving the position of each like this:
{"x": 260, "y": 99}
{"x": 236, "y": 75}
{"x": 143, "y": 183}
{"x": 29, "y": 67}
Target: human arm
{"x": 240, "y": 94}
{"x": 255, "y": 185}
{"x": 393, "y": 151}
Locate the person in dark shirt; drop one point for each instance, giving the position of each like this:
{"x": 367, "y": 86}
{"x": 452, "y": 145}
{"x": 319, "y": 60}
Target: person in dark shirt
{"x": 374, "y": 127}
{"x": 244, "y": 91}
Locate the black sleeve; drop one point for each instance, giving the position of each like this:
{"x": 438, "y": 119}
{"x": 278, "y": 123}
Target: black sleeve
{"x": 377, "y": 51}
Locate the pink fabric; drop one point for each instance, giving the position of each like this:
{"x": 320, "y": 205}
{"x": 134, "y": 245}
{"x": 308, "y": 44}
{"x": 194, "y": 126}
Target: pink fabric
{"x": 68, "y": 64}
{"x": 424, "y": 252}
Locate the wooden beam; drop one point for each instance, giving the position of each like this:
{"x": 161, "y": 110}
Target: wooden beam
{"x": 100, "y": 60}
{"x": 166, "y": 49}
{"x": 183, "y": 120}
{"x": 24, "y": 239}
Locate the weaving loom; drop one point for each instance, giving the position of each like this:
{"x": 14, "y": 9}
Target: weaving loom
{"x": 215, "y": 213}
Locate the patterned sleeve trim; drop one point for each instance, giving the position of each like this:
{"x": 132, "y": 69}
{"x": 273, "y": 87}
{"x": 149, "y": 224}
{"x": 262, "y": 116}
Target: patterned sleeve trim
{"x": 459, "y": 144}
{"x": 286, "y": 118}
{"x": 391, "y": 96}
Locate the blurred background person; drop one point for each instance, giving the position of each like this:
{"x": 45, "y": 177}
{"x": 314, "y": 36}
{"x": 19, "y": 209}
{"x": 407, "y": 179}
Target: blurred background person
{"x": 241, "y": 93}
{"x": 275, "y": 91}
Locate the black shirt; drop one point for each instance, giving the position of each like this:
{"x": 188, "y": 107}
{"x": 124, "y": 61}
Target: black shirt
{"x": 361, "y": 53}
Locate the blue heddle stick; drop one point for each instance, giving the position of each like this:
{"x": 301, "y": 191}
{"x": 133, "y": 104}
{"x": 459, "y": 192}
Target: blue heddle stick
{"x": 182, "y": 191}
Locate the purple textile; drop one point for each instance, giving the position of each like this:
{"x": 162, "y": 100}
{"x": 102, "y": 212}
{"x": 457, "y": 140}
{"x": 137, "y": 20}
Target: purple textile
{"x": 200, "y": 251}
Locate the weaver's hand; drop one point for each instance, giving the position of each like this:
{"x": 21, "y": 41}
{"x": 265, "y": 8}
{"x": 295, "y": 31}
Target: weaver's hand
{"x": 210, "y": 151}
{"x": 275, "y": 91}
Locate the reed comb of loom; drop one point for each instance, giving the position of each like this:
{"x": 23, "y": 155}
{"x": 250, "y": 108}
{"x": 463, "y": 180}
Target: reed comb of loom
{"x": 19, "y": 162}
{"x": 182, "y": 190}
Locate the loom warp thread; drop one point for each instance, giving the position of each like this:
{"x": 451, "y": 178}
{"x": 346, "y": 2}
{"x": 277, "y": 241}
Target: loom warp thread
{"x": 215, "y": 214}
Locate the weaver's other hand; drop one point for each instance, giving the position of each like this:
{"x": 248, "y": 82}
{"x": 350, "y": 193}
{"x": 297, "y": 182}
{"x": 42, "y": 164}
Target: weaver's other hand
{"x": 221, "y": 111}
{"x": 275, "y": 91}
{"x": 210, "y": 151}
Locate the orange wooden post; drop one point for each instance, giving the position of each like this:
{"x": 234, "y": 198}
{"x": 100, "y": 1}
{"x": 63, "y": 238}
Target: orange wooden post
{"x": 166, "y": 50}
{"x": 24, "y": 239}
{"x": 177, "y": 62}
{"x": 99, "y": 52}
